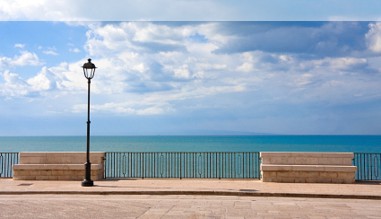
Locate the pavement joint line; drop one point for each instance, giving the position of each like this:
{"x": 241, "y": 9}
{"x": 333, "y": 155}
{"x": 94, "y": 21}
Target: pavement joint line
{"x": 206, "y": 193}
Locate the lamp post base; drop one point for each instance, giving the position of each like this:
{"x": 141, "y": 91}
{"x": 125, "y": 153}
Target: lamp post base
{"x": 87, "y": 183}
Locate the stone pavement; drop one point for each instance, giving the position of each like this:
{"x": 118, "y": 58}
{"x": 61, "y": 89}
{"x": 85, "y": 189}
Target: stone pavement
{"x": 187, "y": 198}
{"x": 194, "y": 187}
{"x": 183, "y": 206}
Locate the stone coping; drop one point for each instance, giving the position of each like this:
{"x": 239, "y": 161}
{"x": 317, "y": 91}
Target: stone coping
{"x": 60, "y": 152}
{"x": 60, "y": 157}
{"x": 308, "y": 154}
{"x": 308, "y": 158}
{"x": 307, "y": 168}
{"x": 54, "y": 166}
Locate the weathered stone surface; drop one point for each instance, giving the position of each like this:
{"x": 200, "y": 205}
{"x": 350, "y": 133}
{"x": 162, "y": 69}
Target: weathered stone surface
{"x": 57, "y": 166}
{"x": 308, "y": 167}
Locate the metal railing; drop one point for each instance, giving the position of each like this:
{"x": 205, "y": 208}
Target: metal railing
{"x": 368, "y": 166}
{"x": 7, "y": 159}
{"x": 182, "y": 165}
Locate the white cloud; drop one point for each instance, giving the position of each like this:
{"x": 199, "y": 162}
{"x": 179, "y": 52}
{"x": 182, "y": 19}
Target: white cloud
{"x": 68, "y": 77}
{"x": 74, "y": 50}
{"x": 42, "y": 81}
{"x": 179, "y": 63}
{"x": 25, "y": 58}
{"x": 336, "y": 64}
{"x": 180, "y": 10}
{"x": 72, "y": 10}
{"x": 147, "y": 68}
{"x": 50, "y": 51}
{"x": 247, "y": 65}
{"x": 160, "y": 69}
{"x": 19, "y": 45}
{"x": 38, "y": 10}
{"x": 13, "y": 86}
{"x": 49, "y": 82}
{"x": 374, "y": 37}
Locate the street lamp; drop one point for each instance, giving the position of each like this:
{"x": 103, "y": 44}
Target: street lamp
{"x": 88, "y": 71}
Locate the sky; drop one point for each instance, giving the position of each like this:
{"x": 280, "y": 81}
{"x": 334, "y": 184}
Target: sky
{"x": 190, "y": 67}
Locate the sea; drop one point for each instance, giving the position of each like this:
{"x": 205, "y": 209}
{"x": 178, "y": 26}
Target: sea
{"x": 252, "y": 143}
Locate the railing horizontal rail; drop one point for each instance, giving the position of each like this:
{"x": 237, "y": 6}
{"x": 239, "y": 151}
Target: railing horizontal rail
{"x": 368, "y": 166}
{"x": 7, "y": 159}
{"x": 182, "y": 165}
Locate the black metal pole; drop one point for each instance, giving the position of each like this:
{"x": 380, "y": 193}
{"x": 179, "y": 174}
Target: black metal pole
{"x": 88, "y": 181}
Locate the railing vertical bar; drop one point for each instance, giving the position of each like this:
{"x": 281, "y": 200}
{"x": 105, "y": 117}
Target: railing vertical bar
{"x": 142, "y": 163}
{"x": 107, "y": 166}
{"x": 3, "y": 163}
{"x": 10, "y": 161}
{"x": 154, "y": 165}
{"x": 230, "y": 164}
{"x": 109, "y": 161}
{"x": 218, "y": 165}
{"x": 116, "y": 167}
{"x": 362, "y": 161}
{"x": 7, "y": 161}
{"x": 362, "y": 166}
{"x": 210, "y": 165}
{"x": 114, "y": 162}
{"x": 223, "y": 165}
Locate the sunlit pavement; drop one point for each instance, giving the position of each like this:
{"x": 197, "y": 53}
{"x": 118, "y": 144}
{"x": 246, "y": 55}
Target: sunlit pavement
{"x": 186, "y": 206}
{"x": 187, "y": 198}
{"x": 194, "y": 187}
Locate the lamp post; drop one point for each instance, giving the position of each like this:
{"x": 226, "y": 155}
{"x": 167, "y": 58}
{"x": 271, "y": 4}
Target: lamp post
{"x": 88, "y": 71}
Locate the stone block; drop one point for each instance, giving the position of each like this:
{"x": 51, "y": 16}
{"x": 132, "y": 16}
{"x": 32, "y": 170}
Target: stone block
{"x": 318, "y": 180}
{"x": 265, "y": 160}
{"x": 305, "y": 160}
{"x": 285, "y": 179}
{"x": 268, "y": 179}
{"x": 329, "y": 175}
{"x": 268, "y": 174}
{"x": 308, "y": 167}
{"x": 305, "y": 174}
{"x": 338, "y": 180}
{"x": 24, "y": 178}
{"x": 300, "y": 180}
{"x": 57, "y": 166}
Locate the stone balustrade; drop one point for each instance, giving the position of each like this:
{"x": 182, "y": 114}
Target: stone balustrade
{"x": 301, "y": 167}
{"x": 57, "y": 166}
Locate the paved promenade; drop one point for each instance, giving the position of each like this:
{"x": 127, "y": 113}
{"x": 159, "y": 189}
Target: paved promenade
{"x": 194, "y": 187}
{"x": 174, "y": 198}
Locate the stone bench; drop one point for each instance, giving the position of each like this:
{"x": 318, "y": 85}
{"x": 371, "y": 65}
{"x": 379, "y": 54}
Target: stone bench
{"x": 307, "y": 167}
{"x": 57, "y": 166}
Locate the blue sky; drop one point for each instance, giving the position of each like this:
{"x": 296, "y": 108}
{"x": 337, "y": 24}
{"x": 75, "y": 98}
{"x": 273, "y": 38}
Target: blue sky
{"x": 195, "y": 75}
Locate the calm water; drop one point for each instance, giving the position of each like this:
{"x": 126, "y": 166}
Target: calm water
{"x": 194, "y": 143}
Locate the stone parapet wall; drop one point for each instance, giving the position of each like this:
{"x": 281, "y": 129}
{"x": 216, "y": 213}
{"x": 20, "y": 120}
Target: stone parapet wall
{"x": 302, "y": 167}
{"x": 57, "y": 166}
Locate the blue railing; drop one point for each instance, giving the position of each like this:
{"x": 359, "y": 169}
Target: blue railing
{"x": 368, "y": 166}
{"x": 218, "y": 165}
{"x": 7, "y": 159}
